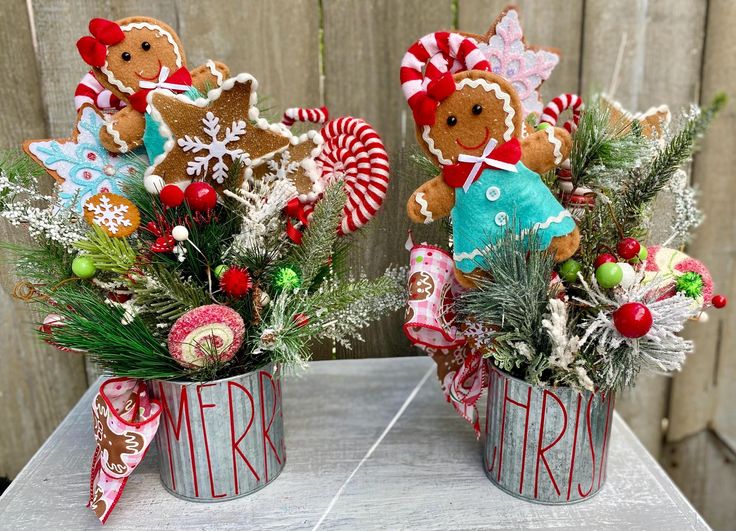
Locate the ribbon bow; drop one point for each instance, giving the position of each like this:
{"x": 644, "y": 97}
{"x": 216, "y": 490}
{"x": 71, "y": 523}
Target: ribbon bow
{"x": 468, "y": 168}
{"x": 179, "y": 81}
{"x": 295, "y": 209}
{"x": 104, "y": 33}
{"x": 425, "y": 106}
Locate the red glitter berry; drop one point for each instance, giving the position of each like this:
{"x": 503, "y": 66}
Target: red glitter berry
{"x": 719, "y": 301}
{"x": 171, "y": 195}
{"x": 628, "y": 248}
{"x": 236, "y": 282}
{"x": 200, "y": 196}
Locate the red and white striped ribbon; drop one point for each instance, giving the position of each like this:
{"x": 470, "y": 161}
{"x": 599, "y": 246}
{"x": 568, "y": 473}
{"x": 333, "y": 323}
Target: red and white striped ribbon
{"x": 301, "y": 114}
{"x": 419, "y": 65}
{"x": 563, "y": 102}
{"x": 354, "y": 154}
{"x": 91, "y": 92}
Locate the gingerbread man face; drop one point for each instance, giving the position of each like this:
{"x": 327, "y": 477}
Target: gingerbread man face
{"x": 148, "y": 46}
{"x": 483, "y": 107}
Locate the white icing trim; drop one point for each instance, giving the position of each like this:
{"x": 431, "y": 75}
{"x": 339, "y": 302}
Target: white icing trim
{"x": 109, "y": 127}
{"x": 431, "y": 147}
{"x": 424, "y": 208}
{"x": 537, "y": 226}
{"x": 140, "y": 25}
{"x": 488, "y": 87}
{"x": 253, "y": 115}
{"x": 214, "y": 71}
{"x": 556, "y": 142}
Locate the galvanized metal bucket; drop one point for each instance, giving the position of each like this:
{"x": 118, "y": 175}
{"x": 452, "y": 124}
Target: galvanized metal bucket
{"x": 543, "y": 444}
{"x": 223, "y": 439}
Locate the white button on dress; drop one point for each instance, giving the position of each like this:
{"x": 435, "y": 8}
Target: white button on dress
{"x": 493, "y": 193}
{"x": 501, "y": 219}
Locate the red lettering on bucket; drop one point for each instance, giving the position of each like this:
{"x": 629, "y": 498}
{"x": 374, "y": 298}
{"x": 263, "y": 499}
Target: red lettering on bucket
{"x": 592, "y": 448}
{"x": 267, "y": 427}
{"x": 542, "y": 450}
{"x": 168, "y": 418}
{"x": 574, "y": 447}
{"x": 235, "y": 443}
{"x": 604, "y": 452}
{"x": 202, "y": 407}
{"x": 493, "y": 378}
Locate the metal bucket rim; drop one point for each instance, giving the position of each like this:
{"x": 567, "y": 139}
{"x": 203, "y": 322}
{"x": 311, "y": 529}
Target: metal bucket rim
{"x": 553, "y": 387}
{"x": 270, "y": 364}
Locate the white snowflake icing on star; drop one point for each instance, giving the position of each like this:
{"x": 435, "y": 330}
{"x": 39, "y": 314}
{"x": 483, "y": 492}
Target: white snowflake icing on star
{"x": 109, "y": 215}
{"x": 215, "y": 148}
{"x": 525, "y": 68}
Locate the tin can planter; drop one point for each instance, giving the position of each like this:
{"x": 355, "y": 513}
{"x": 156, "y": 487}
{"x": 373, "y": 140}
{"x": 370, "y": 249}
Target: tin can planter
{"x": 223, "y": 439}
{"x": 543, "y": 444}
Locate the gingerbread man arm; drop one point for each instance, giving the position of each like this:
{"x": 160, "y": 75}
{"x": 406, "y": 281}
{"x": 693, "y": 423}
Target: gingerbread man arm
{"x": 124, "y": 131}
{"x": 433, "y": 200}
{"x": 209, "y": 75}
{"x": 546, "y": 149}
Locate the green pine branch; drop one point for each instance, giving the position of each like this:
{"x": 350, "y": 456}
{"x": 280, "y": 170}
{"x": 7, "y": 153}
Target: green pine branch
{"x": 108, "y": 253}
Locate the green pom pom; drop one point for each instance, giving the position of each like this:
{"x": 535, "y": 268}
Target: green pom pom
{"x": 609, "y": 275}
{"x": 286, "y": 278}
{"x": 83, "y": 267}
{"x": 690, "y": 284}
{"x": 220, "y": 270}
{"x": 542, "y": 126}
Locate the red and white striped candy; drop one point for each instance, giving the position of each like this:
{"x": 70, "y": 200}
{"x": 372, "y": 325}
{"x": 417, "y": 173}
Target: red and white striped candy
{"x": 91, "y": 92}
{"x": 303, "y": 114}
{"x": 354, "y": 154}
{"x": 420, "y": 65}
{"x": 563, "y": 102}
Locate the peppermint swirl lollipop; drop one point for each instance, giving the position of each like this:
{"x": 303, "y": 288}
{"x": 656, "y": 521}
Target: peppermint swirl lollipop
{"x": 354, "y": 154}
{"x": 206, "y": 334}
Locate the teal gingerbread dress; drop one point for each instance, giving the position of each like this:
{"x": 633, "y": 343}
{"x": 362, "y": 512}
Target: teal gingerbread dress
{"x": 495, "y": 202}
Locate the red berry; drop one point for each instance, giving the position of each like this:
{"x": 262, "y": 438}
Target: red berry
{"x": 200, "y": 196}
{"x": 628, "y": 248}
{"x": 633, "y": 320}
{"x": 605, "y": 258}
{"x": 719, "y": 301}
{"x": 301, "y": 320}
{"x": 236, "y": 282}
{"x": 171, "y": 195}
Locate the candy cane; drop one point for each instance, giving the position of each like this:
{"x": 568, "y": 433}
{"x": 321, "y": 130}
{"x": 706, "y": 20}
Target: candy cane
{"x": 354, "y": 154}
{"x": 302, "y": 114}
{"x": 419, "y": 70}
{"x": 563, "y": 102}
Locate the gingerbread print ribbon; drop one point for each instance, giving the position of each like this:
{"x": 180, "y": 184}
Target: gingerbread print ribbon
{"x": 125, "y": 422}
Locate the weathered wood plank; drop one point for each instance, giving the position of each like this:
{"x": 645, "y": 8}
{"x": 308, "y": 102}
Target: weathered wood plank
{"x": 38, "y": 383}
{"x": 705, "y": 470}
{"x": 363, "y": 46}
{"x": 653, "y": 71}
{"x": 553, "y": 23}
{"x": 703, "y": 394}
{"x": 276, "y": 41}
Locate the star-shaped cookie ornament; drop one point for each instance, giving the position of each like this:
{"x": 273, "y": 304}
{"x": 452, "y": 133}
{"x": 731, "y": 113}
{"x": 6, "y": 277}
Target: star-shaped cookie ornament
{"x": 525, "y": 66}
{"x": 205, "y": 136}
{"x": 654, "y": 121}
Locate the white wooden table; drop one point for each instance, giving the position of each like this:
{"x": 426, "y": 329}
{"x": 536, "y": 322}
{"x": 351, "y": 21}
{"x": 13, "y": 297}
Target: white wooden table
{"x": 371, "y": 444}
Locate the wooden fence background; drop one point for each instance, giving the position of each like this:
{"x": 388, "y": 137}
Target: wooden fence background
{"x": 345, "y": 54}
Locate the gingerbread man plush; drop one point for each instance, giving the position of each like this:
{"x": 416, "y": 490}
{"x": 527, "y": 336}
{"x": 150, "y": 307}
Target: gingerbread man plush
{"x": 470, "y": 124}
{"x": 130, "y": 58}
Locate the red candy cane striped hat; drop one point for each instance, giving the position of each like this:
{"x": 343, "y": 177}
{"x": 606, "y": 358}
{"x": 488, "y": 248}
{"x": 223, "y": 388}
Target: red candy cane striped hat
{"x": 425, "y": 81}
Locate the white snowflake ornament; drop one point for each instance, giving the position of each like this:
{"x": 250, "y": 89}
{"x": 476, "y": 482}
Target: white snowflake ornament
{"x": 114, "y": 214}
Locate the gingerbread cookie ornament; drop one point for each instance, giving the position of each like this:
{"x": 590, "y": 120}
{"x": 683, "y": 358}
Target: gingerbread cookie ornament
{"x": 470, "y": 124}
{"x": 130, "y": 58}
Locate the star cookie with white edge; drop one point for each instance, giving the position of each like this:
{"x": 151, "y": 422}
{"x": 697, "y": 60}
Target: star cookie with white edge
{"x": 654, "y": 121}
{"x": 204, "y": 137}
{"x": 80, "y": 164}
{"x": 117, "y": 216}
